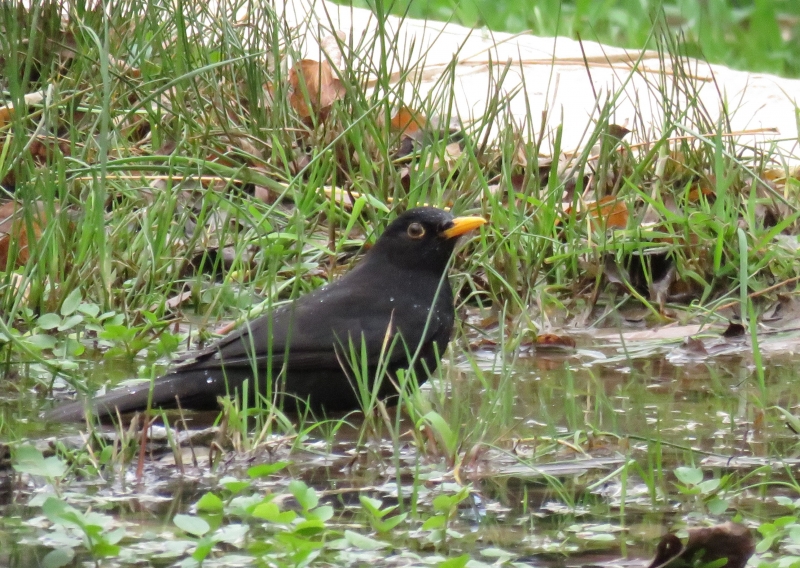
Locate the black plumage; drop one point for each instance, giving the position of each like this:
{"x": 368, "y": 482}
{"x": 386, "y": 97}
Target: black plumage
{"x": 394, "y": 309}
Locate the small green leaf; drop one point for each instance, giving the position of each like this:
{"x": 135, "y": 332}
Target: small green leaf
{"x": 305, "y": 495}
{"x": 323, "y": 513}
{"x": 232, "y": 534}
{"x": 210, "y": 503}
{"x": 71, "y": 302}
{"x": 234, "y": 485}
{"x": 58, "y": 557}
{"x": 69, "y": 348}
{"x": 689, "y": 475}
{"x": 48, "y": 321}
{"x": 602, "y": 537}
{"x": 457, "y": 562}
{"x": 708, "y": 486}
{"x": 389, "y": 524}
{"x": 493, "y": 552}
{"x": 717, "y": 506}
{"x": 272, "y": 513}
{"x": 191, "y": 524}
{"x": 434, "y": 523}
{"x": 113, "y": 537}
{"x": 70, "y": 322}
{"x": 364, "y": 542}
{"x": 373, "y": 506}
{"x": 90, "y": 310}
{"x": 442, "y": 428}
{"x": 204, "y": 547}
{"x": 41, "y": 341}
{"x": 766, "y": 543}
{"x": 116, "y": 332}
{"x": 58, "y": 512}
{"x": 27, "y": 459}
{"x": 266, "y": 469}
{"x": 444, "y": 503}
{"x": 104, "y": 549}
{"x": 309, "y": 527}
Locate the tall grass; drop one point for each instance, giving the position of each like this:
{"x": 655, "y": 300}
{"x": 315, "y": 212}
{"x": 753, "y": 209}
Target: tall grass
{"x": 149, "y": 146}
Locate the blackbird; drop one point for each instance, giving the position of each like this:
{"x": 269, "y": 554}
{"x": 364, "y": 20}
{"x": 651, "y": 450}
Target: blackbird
{"x": 393, "y": 311}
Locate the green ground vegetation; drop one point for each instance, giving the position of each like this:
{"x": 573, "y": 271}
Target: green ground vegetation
{"x": 159, "y": 184}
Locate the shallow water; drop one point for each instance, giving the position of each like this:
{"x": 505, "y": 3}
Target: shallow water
{"x": 570, "y": 456}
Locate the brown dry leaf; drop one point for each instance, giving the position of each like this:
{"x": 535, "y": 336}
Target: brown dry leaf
{"x": 704, "y": 186}
{"x": 264, "y": 194}
{"x": 774, "y": 174}
{"x": 705, "y": 545}
{"x": 760, "y": 424}
{"x": 407, "y": 122}
{"x": 610, "y": 212}
{"x": 675, "y": 165}
{"x": 313, "y": 88}
{"x": 452, "y": 153}
{"x": 174, "y": 302}
{"x": 14, "y": 236}
{"x": 410, "y": 125}
{"x": 331, "y": 47}
{"x": 7, "y": 111}
{"x": 551, "y": 340}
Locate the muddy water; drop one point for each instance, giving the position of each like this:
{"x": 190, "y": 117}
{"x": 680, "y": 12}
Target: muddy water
{"x": 570, "y": 456}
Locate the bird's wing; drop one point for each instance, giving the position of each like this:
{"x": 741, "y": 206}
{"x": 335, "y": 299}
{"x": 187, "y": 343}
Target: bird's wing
{"x": 315, "y": 332}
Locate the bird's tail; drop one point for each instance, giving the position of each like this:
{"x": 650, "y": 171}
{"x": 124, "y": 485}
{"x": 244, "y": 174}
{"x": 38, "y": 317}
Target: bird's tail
{"x": 195, "y": 389}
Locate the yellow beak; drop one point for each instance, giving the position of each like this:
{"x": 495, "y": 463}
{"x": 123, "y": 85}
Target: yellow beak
{"x": 462, "y": 225}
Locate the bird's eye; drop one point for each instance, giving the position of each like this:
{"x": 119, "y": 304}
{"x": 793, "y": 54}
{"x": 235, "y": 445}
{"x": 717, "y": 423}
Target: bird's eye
{"x": 416, "y": 231}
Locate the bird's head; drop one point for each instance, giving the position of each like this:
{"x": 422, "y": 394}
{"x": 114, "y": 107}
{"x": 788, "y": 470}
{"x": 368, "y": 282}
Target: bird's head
{"x": 423, "y": 238}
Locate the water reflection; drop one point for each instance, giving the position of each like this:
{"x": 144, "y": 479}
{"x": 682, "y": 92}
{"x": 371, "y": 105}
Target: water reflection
{"x": 570, "y": 453}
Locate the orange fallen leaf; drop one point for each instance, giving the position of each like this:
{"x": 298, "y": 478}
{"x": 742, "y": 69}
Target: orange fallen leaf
{"x": 7, "y": 111}
{"x": 774, "y": 174}
{"x": 553, "y": 340}
{"x": 407, "y": 122}
{"x": 14, "y": 237}
{"x": 610, "y": 212}
{"x": 704, "y": 187}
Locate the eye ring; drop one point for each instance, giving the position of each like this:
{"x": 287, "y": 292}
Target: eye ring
{"x": 415, "y": 231}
